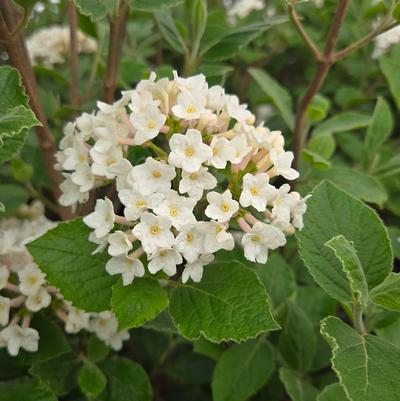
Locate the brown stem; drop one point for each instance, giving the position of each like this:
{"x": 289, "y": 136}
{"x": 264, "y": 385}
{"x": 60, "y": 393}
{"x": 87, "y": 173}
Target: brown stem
{"x": 116, "y": 40}
{"x": 19, "y": 58}
{"x": 73, "y": 60}
{"x": 319, "y": 79}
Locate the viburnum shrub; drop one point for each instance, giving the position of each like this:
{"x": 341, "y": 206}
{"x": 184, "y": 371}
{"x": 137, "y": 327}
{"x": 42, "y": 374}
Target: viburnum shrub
{"x": 199, "y": 200}
{"x": 211, "y": 171}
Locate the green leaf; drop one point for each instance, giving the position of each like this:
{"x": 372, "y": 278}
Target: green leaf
{"x": 91, "y": 380}
{"x": 378, "y": 131}
{"x": 52, "y": 342}
{"x": 356, "y": 183}
{"x": 199, "y": 21}
{"x": 330, "y": 212}
{"x": 219, "y": 311}
{"x": 97, "y": 350}
{"x": 347, "y": 121}
{"x": 396, "y": 12}
{"x": 127, "y": 381}
{"x": 25, "y": 389}
{"x": 138, "y": 302}
{"x": 319, "y": 108}
{"x": 394, "y": 234}
{"x": 319, "y": 150}
{"x": 387, "y": 294}
{"x": 214, "y": 70}
{"x": 278, "y": 278}
{"x": 333, "y": 392}
{"x": 391, "y": 71}
{"x": 12, "y": 196}
{"x": 191, "y": 368}
{"x": 366, "y": 365}
{"x": 168, "y": 29}
{"x": 65, "y": 255}
{"x": 59, "y": 374}
{"x": 242, "y": 370}
{"x": 298, "y": 341}
{"x": 154, "y": 5}
{"x": 94, "y": 9}
{"x": 15, "y": 115}
{"x": 297, "y": 388}
{"x": 162, "y": 323}
{"x": 345, "y": 252}
{"x": 207, "y": 348}
{"x": 231, "y": 41}
{"x": 279, "y": 96}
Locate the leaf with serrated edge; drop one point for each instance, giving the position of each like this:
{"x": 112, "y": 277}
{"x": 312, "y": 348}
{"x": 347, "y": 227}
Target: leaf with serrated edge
{"x": 230, "y": 303}
{"x": 345, "y": 252}
{"x": 387, "y": 294}
{"x": 333, "y": 392}
{"x": 367, "y": 366}
{"x": 330, "y": 212}
{"x": 65, "y": 255}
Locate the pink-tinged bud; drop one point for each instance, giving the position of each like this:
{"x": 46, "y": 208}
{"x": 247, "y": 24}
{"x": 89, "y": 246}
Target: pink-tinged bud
{"x": 243, "y": 225}
{"x": 126, "y": 141}
{"x": 165, "y": 129}
{"x": 26, "y": 321}
{"x": 137, "y": 254}
{"x": 128, "y": 124}
{"x": 250, "y": 218}
{"x": 17, "y": 301}
{"x": 259, "y": 155}
{"x": 290, "y": 230}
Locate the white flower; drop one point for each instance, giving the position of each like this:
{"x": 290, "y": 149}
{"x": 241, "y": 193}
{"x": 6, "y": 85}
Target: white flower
{"x": 216, "y": 98}
{"x": 298, "y": 210}
{"x": 103, "y": 162}
{"x": 259, "y": 240}
{"x": 221, "y": 206}
{"x": 83, "y": 177}
{"x": 119, "y": 244}
{"x": 4, "y": 310}
{"x": 147, "y": 123}
{"x": 236, "y": 110}
{"x": 17, "y": 337}
{"x": 121, "y": 170}
{"x": 190, "y": 242}
{"x": 194, "y": 270}
{"x": 71, "y": 192}
{"x": 257, "y": 191}
{"x": 76, "y": 320}
{"x": 194, "y": 84}
{"x": 41, "y": 299}
{"x": 188, "y": 151}
{"x": 166, "y": 260}
{"x": 154, "y": 232}
{"x": 216, "y": 237}
{"x": 178, "y": 209}
{"x": 282, "y": 163}
{"x": 282, "y": 205}
{"x": 4, "y": 275}
{"x": 116, "y": 340}
{"x": 77, "y": 153}
{"x": 101, "y": 242}
{"x": 30, "y": 280}
{"x": 189, "y": 105}
{"x": 241, "y": 148}
{"x": 104, "y": 325}
{"x": 195, "y": 183}
{"x": 222, "y": 152}
{"x": 102, "y": 219}
{"x": 135, "y": 203}
{"x": 152, "y": 176}
{"x": 128, "y": 267}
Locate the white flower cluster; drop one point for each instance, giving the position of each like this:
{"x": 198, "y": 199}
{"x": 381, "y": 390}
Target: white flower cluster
{"x": 242, "y": 8}
{"x": 24, "y": 290}
{"x": 50, "y": 46}
{"x": 385, "y": 41}
{"x": 211, "y": 167}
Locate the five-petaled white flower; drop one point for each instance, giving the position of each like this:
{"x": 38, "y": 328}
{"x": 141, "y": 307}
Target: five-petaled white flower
{"x": 165, "y": 259}
{"x": 128, "y": 267}
{"x": 282, "y": 163}
{"x": 188, "y": 151}
{"x": 194, "y": 270}
{"x": 154, "y": 232}
{"x": 120, "y": 243}
{"x": 102, "y": 219}
{"x": 195, "y": 183}
{"x": 260, "y": 239}
{"x": 31, "y": 279}
{"x": 148, "y": 123}
{"x": 41, "y": 299}
{"x": 17, "y": 337}
{"x": 190, "y": 242}
{"x": 152, "y": 176}
{"x": 257, "y": 191}
{"x": 221, "y": 206}
{"x": 189, "y": 105}
{"x": 222, "y": 152}
{"x": 216, "y": 237}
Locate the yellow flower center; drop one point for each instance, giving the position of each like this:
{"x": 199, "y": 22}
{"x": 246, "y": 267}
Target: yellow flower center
{"x": 156, "y": 174}
{"x": 225, "y": 207}
{"x": 189, "y": 151}
{"x": 173, "y": 212}
{"x": 218, "y": 229}
{"x": 254, "y": 191}
{"x": 140, "y": 203}
{"x": 32, "y": 280}
{"x": 255, "y": 238}
{"x": 189, "y": 237}
{"x": 151, "y": 124}
{"x": 215, "y": 151}
{"x": 163, "y": 253}
{"x": 154, "y": 230}
{"x": 193, "y": 176}
{"x": 110, "y": 161}
{"x": 191, "y": 109}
